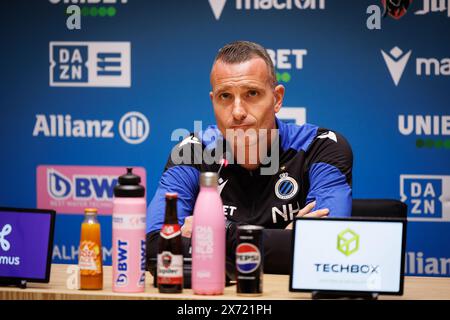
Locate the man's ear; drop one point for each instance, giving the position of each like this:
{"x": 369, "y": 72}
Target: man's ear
{"x": 279, "y": 95}
{"x": 211, "y": 96}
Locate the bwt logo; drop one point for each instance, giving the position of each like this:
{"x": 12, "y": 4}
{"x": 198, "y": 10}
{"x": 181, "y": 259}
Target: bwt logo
{"x": 90, "y": 64}
{"x": 427, "y": 196}
{"x": 71, "y": 189}
{"x": 217, "y": 6}
{"x": 134, "y": 127}
{"x": 348, "y": 242}
{"x": 80, "y": 187}
{"x": 5, "y": 245}
{"x": 122, "y": 263}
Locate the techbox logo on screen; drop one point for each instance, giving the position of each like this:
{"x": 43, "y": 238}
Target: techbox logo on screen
{"x": 426, "y": 196}
{"x": 217, "y": 6}
{"x": 5, "y": 245}
{"x": 133, "y": 127}
{"x": 70, "y": 189}
{"x": 90, "y": 64}
{"x": 347, "y": 244}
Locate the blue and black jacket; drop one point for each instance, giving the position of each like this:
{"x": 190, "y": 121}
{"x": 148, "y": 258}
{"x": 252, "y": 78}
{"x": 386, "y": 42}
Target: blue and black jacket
{"x": 314, "y": 164}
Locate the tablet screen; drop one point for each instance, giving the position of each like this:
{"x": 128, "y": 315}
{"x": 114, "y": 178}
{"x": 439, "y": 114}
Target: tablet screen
{"x": 348, "y": 255}
{"x": 26, "y": 239}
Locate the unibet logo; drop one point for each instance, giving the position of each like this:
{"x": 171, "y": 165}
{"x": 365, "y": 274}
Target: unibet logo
{"x": 133, "y": 128}
{"x": 94, "y": 8}
{"x": 285, "y": 60}
{"x": 348, "y": 242}
{"x": 432, "y": 131}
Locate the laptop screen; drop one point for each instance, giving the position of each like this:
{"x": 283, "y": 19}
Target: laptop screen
{"x": 26, "y": 240}
{"x": 357, "y": 255}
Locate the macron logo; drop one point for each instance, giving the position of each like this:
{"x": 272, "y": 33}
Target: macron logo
{"x": 189, "y": 139}
{"x": 3, "y": 242}
{"x": 217, "y": 7}
{"x": 221, "y": 185}
{"x": 396, "y": 62}
{"x": 330, "y": 135}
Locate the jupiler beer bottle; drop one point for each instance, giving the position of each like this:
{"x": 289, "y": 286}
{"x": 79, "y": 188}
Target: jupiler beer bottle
{"x": 170, "y": 254}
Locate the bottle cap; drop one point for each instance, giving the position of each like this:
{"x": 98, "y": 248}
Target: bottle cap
{"x": 208, "y": 179}
{"x": 171, "y": 195}
{"x": 90, "y": 211}
{"x": 129, "y": 186}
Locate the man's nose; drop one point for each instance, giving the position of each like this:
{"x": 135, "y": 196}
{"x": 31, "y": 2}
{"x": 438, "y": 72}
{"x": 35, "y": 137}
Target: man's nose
{"x": 239, "y": 112}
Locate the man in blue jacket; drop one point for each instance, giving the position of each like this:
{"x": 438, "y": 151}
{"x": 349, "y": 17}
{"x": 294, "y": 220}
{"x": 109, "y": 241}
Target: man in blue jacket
{"x": 309, "y": 173}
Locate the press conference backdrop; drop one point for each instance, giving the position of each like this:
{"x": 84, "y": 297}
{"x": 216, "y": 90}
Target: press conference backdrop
{"x": 77, "y": 106}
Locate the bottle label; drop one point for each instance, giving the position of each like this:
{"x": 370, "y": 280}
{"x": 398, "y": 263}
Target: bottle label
{"x": 204, "y": 241}
{"x": 170, "y": 268}
{"x": 90, "y": 261}
{"x": 169, "y": 231}
{"x": 129, "y": 221}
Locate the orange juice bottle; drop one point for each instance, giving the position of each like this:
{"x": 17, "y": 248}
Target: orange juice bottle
{"x": 90, "y": 259}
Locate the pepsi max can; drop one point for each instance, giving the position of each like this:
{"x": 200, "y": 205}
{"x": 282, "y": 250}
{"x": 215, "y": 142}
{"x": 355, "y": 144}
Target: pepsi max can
{"x": 249, "y": 260}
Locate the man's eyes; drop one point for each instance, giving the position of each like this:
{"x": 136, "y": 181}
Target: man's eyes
{"x": 252, "y": 93}
{"x": 224, "y": 96}
{"x": 249, "y": 93}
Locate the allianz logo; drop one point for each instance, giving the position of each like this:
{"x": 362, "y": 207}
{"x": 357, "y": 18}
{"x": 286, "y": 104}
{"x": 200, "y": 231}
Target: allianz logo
{"x": 133, "y": 127}
{"x": 217, "y": 6}
{"x": 418, "y": 264}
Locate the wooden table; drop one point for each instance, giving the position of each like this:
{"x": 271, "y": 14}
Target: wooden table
{"x": 275, "y": 287}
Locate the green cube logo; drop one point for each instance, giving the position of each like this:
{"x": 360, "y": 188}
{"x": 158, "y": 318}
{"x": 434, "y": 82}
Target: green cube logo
{"x": 348, "y": 242}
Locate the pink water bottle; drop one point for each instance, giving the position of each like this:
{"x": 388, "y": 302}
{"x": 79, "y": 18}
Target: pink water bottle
{"x": 128, "y": 234}
{"x": 208, "y": 239}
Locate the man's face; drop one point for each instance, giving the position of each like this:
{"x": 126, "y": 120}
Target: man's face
{"x": 243, "y": 96}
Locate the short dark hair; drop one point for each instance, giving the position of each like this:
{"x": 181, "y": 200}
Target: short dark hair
{"x": 242, "y": 51}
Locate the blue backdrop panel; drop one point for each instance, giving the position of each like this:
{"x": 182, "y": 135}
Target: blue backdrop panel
{"x": 386, "y": 90}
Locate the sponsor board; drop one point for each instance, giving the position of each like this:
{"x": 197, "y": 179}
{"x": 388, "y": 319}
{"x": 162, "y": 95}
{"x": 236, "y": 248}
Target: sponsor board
{"x": 71, "y": 189}
{"x": 90, "y": 64}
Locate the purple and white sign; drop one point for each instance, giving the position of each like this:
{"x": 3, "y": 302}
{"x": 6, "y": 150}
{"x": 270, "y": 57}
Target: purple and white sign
{"x": 24, "y": 243}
